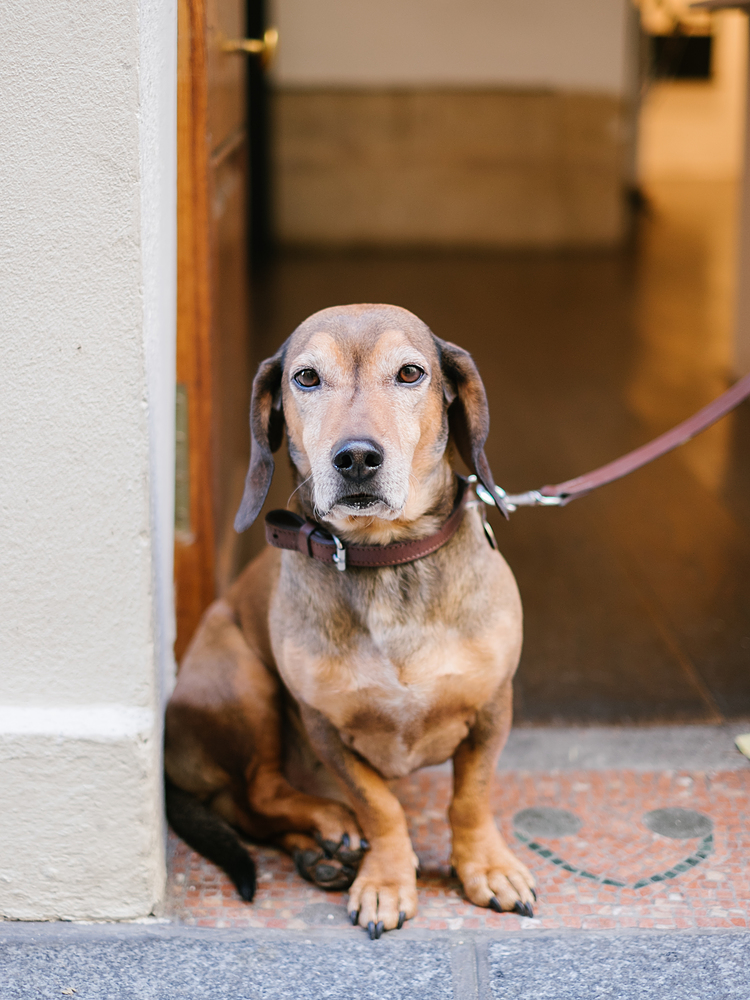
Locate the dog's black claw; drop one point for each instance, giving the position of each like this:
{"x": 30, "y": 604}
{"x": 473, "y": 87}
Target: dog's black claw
{"x": 354, "y": 917}
{"x": 371, "y": 930}
{"x": 495, "y": 905}
{"x": 364, "y": 844}
{"x": 533, "y": 893}
{"x": 347, "y": 856}
{"x": 522, "y": 909}
{"x": 378, "y": 929}
{"x": 401, "y": 918}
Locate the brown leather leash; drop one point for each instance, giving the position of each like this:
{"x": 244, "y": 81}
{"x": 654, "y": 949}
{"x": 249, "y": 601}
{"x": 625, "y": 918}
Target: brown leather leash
{"x": 571, "y": 489}
{"x": 287, "y": 530}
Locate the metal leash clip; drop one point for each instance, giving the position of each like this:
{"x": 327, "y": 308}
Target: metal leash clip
{"x": 339, "y": 556}
{"x": 512, "y": 501}
{"x": 484, "y": 495}
{"x": 531, "y": 498}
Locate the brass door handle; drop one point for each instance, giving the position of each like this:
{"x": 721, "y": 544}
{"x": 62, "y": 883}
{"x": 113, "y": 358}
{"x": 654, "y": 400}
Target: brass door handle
{"x": 264, "y": 47}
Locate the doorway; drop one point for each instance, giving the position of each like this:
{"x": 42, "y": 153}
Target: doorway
{"x": 636, "y": 598}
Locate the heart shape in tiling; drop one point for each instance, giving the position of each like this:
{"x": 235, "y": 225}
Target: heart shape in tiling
{"x": 618, "y": 852}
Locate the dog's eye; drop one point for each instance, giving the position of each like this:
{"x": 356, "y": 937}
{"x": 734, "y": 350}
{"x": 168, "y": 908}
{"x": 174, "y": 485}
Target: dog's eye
{"x": 410, "y": 374}
{"x": 307, "y": 378}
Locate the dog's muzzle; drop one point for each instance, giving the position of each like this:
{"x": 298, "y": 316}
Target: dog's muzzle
{"x": 358, "y": 461}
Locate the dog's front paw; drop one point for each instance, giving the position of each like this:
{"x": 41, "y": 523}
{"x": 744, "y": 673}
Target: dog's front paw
{"x": 384, "y": 894}
{"x": 490, "y": 874}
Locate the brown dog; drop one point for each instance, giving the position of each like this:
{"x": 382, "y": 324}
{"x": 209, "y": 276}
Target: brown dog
{"x": 306, "y": 677}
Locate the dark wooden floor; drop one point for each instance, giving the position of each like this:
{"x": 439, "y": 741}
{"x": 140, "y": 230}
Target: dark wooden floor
{"x": 637, "y": 598}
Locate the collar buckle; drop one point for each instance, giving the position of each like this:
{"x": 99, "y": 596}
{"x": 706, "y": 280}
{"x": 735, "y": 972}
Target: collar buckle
{"x": 339, "y": 556}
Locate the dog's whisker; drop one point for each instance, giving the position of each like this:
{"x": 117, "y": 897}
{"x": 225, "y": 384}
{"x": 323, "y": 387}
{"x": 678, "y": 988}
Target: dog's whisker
{"x": 298, "y": 488}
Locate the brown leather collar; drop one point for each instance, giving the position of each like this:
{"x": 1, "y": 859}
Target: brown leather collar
{"x": 287, "y": 530}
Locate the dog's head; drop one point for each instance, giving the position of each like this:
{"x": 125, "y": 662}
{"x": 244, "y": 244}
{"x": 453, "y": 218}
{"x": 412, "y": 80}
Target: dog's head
{"x": 369, "y": 397}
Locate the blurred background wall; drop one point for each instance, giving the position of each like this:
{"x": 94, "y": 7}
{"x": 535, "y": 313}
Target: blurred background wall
{"x": 433, "y": 122}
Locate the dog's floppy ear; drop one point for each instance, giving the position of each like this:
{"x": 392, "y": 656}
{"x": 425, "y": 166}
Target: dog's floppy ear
{"x": 468, "y": 412}
{"x": 266, "y": 435}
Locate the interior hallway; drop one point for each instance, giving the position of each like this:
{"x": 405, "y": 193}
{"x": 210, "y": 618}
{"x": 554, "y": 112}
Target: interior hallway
{"x": 637, "y": 598}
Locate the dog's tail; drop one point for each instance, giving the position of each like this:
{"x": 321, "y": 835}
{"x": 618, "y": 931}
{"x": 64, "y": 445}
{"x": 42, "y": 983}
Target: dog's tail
{"x": 208, "y": 834}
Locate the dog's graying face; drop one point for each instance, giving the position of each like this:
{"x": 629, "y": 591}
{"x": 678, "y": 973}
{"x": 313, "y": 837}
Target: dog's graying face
{"x": 363, "y": 402}
{"x": 366, "y": 393}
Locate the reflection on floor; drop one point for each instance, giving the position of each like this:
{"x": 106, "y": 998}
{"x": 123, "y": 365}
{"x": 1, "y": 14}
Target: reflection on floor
{"x": 637, "y": 598}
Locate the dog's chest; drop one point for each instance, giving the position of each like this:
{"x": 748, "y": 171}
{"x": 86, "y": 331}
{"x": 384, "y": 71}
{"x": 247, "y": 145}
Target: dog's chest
{"x": 401, "y": 667}
{"x": 399, "y": 712}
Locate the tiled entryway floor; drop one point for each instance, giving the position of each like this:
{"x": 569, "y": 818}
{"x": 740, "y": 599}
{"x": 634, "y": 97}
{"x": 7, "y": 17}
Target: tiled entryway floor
{"x": 701, "y": 880}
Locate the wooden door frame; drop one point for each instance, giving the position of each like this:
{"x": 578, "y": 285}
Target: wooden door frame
{"x": 194, "y": 553}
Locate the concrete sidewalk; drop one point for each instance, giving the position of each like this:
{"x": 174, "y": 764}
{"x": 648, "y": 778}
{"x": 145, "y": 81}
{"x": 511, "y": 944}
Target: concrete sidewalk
{"x": 118, "y": 962}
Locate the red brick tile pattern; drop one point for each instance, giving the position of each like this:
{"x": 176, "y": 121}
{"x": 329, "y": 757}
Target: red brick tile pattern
{"x": 612, "y": 840}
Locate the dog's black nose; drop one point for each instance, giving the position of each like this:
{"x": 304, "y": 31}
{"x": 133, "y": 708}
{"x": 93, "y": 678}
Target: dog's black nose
{"x": 357, "y": 460}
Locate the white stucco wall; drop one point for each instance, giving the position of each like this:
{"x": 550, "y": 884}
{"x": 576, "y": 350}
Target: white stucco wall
{"x": 87, "y": 238}
{"x": 575, "y": 45}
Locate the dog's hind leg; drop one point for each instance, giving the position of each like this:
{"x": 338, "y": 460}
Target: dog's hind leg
{"x": 223, "y": 746}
